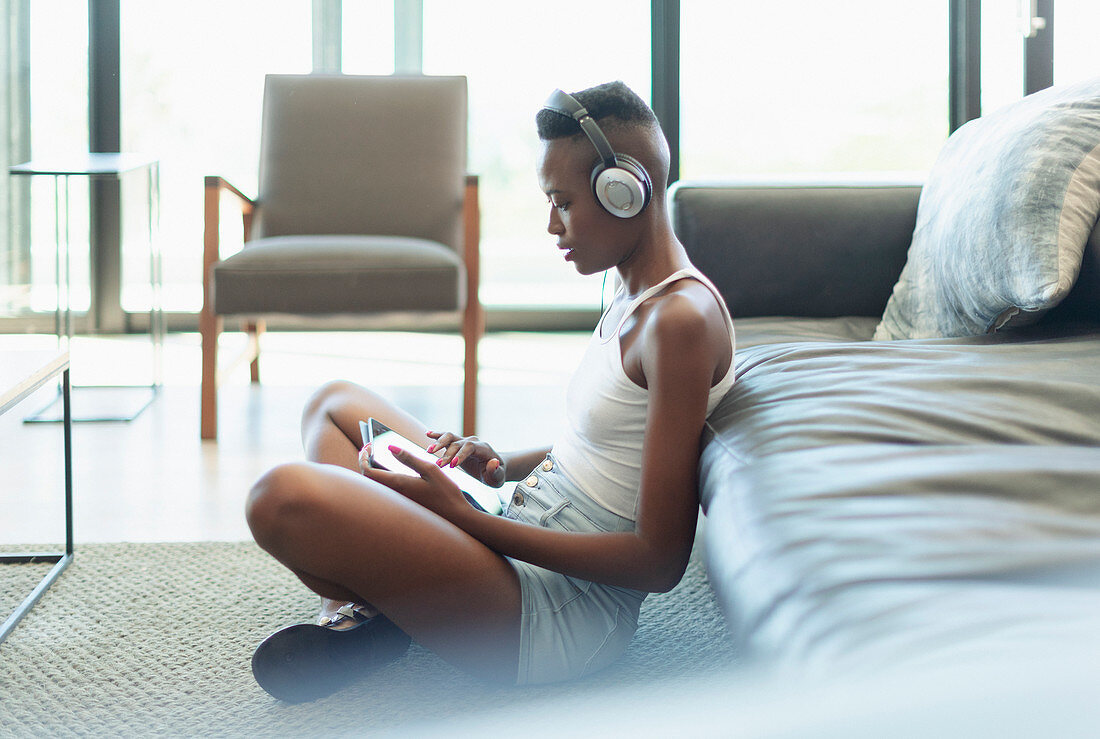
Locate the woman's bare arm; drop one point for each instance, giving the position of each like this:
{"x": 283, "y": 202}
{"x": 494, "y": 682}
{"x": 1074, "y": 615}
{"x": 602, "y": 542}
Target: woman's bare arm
{"x": 519, "y": 464}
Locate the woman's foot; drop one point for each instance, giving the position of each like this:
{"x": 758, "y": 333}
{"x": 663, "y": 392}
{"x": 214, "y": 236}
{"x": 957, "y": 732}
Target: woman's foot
{"x": 305, "y": 662}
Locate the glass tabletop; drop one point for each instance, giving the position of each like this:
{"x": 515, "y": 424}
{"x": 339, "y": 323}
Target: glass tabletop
{"x": 88, "y": 164}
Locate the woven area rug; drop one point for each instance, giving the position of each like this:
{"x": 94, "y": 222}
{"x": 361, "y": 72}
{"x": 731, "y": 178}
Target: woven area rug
{"x": 155, "y": 640}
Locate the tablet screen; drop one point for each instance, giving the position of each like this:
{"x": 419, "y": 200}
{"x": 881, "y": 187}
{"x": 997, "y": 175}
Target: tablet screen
{"x": 381, "y": 437}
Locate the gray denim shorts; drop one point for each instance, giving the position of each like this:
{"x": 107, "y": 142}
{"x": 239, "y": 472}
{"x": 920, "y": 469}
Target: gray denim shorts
{"x": 569, "y": 627}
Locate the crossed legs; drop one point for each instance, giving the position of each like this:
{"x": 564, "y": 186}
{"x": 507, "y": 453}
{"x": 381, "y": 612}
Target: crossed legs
{"x": 350, "y": 539}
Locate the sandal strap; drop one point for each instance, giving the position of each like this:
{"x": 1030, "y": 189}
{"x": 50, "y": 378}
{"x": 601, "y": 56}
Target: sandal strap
{"x": 346, "y": 611}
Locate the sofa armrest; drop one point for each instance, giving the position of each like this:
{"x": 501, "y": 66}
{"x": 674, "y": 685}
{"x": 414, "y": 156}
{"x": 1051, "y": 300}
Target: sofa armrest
{"x": 815, "y": 250}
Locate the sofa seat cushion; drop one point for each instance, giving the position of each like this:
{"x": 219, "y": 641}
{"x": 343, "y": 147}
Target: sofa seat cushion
{"x": 869, "y": 499}
{"x": 974, "y": 390}
{"x": 784, "y": 329}
{"x": 867, "y": 556}
{"x": 331, "y": 275}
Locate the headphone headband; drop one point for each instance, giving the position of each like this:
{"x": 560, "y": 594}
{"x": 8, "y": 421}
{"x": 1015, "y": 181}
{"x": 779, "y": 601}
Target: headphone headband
{"x": 567, "y": 105}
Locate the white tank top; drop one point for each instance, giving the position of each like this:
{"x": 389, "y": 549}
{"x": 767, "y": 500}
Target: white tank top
{"x": 601, "y": 449}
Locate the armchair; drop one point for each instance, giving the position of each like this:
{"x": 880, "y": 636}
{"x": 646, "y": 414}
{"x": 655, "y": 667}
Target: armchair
{"x": 364, "y": 207}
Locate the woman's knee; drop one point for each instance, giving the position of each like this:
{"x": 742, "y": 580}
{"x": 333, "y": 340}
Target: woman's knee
{"x": 280, "y": 497}
{"x": 328, "y": 399}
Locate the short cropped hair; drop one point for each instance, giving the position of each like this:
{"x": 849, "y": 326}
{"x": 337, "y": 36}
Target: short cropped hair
{"x": 611, "y": 100}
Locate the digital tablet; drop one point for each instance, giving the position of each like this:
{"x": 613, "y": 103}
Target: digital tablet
{"x": 481, "y": 496}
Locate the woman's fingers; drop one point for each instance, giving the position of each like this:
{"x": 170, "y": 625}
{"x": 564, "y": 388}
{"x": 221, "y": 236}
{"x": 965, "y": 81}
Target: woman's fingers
{"x": 474, "y": 455}
{"x": 451, "y": 445}
{"x": 442, "y": 440}
{"x": 422, "y": 467}
{"x": 494, "y": 472}
{"x": 404, "y": 483}
{"x": 465, "y": 449}
{"x": 393, "y": 480}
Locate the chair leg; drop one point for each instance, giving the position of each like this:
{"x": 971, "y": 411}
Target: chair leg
{"x": 473, "y": 321}
{"x": 255, "y": 330}
{"x": 209, "y": 327}
{"x": 472, "y": 329}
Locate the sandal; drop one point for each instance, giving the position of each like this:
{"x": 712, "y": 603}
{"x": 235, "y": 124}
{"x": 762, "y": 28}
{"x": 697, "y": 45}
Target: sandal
{"x": 305, "y": 662}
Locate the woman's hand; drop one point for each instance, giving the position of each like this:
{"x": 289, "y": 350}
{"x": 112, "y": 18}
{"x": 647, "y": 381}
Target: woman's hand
{"x": 429, "y": 487}
{"x": 472, "y": 454}
{"x": 364, "y": 458}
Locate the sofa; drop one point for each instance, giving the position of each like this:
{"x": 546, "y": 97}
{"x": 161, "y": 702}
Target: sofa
{"x": 902, "y": 488}
{"x": 881, "y": 501}
{"x": 903, "y": 534}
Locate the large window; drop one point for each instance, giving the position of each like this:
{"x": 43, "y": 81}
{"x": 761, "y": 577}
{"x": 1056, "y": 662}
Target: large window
{"x": 514, "y": 55}
{"x": 804, "y": 86}
{"x": 766, "y": 89}
{"x": 1075, "y": 28}
{"x": 367, "y": 37}
{"x": 1003, "y": 32}
{"x": 59, "y": 78}
{"x": 192, "y": 87}
{"x": 58, "y": 96}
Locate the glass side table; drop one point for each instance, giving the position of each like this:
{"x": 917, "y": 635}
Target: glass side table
{"x": 114, "y": 406}
{"x": 22, "y": 373}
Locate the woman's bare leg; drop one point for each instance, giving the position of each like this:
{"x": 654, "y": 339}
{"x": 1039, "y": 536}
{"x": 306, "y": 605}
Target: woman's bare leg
{"x": 330, "y": 423}
{"x": 349, "y": 538}
{"x": 331, "y": 435}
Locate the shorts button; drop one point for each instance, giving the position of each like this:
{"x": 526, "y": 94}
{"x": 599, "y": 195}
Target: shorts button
{"x": 547, "y": 465}
{"x": 531, "y": 481}
{"x": 517, "y": 499}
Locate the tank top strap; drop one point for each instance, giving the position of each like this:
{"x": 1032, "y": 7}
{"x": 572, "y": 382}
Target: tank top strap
{"x": 647, "y": 294}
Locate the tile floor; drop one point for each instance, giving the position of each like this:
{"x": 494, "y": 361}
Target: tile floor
{"x": 153, "y": 480}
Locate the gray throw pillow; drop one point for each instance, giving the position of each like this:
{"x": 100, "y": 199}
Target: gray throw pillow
{"x": 1003, "y": 219}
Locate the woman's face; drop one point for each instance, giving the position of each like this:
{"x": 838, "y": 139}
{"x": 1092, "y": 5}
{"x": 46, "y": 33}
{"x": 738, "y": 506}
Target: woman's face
{"x": 590, "y": 237}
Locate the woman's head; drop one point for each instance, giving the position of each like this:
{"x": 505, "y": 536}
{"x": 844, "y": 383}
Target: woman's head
{"x": 625, "y": 119}
{"x": 592, "y": 237}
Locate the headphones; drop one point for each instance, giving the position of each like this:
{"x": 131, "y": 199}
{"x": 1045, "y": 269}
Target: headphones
{"x": 620, "y": 183}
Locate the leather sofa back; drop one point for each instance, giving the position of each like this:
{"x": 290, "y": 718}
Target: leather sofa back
{"x": 820, "y": 250}
{"x": 800, "y": 249}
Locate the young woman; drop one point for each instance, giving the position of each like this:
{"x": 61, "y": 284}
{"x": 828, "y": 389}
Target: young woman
{"x": 551, "y": 589}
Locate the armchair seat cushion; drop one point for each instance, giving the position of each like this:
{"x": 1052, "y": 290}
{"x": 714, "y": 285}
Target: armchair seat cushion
{"x": 335, "y": 274}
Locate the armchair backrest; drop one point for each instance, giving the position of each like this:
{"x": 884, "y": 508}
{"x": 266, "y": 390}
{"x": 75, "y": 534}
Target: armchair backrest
{"x": 342, "y": 154}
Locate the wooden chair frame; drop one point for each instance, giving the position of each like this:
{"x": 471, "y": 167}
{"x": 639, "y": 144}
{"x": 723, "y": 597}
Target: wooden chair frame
{"x": 211, "y": 325}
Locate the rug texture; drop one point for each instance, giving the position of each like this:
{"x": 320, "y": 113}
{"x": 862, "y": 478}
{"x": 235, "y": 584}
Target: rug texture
{"x": 155, "y": 640}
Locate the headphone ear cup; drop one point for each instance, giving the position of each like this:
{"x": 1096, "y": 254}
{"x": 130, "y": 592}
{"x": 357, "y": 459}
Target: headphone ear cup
{"x": 635, "y": 167}
{"x": 623, "y": 191}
